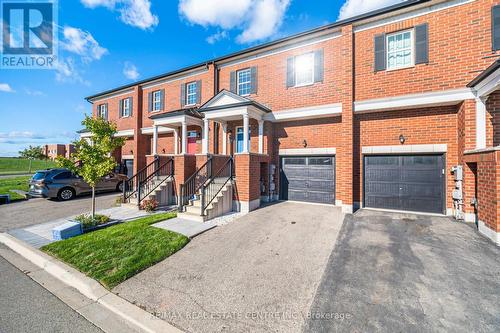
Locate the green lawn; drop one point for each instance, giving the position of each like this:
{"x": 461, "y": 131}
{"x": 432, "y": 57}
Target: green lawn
{"x": 117, "y": 253}
{"x": 13, "y": 165}
{"x": 16, "y": 183}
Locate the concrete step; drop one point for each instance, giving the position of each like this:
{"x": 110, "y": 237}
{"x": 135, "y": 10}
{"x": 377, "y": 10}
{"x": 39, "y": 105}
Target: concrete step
{"x": 192, "y": 216}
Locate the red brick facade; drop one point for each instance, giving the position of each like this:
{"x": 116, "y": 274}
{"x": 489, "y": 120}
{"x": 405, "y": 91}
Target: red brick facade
{"x": 460, "y": 47}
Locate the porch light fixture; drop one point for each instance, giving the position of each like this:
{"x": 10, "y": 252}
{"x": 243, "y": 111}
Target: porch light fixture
{"x": 131, "y": 152}
{"x": 304, "y": 143}
{"x": 402, "y": 139}
{"x": 163, "y": 150}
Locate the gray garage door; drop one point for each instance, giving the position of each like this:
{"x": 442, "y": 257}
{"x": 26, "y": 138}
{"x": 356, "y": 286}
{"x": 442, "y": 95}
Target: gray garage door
{"x": 414, "y": 182}
{"x": 309, "y": 179}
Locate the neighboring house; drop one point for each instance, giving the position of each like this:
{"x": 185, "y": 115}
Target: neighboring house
{"x": 371, "y": 111}
{"x": 54, "y": 150}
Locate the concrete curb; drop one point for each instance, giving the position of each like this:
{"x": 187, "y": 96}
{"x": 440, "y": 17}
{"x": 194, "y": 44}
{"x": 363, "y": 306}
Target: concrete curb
{"x": 135, "y": 316}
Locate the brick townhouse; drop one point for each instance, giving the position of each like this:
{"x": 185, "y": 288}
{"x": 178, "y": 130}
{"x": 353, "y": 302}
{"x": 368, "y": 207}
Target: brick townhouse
{"x": 395, "y": 109}
{"x": 54, "y": 150}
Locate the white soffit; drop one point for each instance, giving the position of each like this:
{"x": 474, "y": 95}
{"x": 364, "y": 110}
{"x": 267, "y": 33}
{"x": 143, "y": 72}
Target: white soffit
{"x": 432, "y": 99}
{"x": 320, "y": 111}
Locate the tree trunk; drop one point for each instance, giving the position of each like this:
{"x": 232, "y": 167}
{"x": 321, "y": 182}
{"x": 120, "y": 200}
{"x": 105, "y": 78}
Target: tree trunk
{"x": 93, "y": 202}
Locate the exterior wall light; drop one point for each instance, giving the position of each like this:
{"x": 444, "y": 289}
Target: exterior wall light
{"x": 402, "y": 139}
{"x": 304, "y": 143}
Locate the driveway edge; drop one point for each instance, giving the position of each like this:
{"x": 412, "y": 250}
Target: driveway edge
{"x": 131, "y": 314}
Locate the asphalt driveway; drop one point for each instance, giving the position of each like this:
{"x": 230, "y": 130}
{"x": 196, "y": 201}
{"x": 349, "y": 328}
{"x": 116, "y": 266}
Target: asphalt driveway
{"x": 407, "y": 273}
{"x": 38, "y": 210}
{"x": 256, "y": 274}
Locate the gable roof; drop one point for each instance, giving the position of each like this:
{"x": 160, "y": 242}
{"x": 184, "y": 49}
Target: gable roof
{"x": 381, "y": 11}
{"x": 232, "y": 100}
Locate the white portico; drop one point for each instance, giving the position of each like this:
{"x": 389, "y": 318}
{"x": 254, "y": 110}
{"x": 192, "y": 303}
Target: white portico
{"x": 227, "y": 106}
{"x": 177, "y": 121}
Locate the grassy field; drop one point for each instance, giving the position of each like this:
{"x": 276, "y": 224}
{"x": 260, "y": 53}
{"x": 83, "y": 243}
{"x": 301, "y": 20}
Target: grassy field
{"x": 15, "y": 183}
{"x": 12, "y": 165}
{"x": 117, "y": 253}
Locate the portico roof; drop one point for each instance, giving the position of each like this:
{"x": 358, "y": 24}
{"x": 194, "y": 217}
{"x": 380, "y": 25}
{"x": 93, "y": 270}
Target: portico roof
{"x": 488, "y": 81}
{"x": 226, "y": 99}
{"x": 192, "y": 112}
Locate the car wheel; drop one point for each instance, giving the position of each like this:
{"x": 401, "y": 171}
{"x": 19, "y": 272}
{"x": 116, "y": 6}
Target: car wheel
{"x": 66, "y": 194}
{"x": 119, "y": 187}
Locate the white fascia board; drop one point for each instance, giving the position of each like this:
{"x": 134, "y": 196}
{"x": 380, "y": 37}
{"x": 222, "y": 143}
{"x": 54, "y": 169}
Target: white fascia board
{"x": 125, "y": 133}
{"x": 438, "y": 98}
{"x": 488, "y": 85}
{"x": 124, "y": 92}
{"x": 321, "y": 111}
{"x": 405, "y": 149}
{"x": 427, "y": 9}
{"x": 224, "y": 113}
{"x": 161, "y": 130}
{"x": 177, "y": 120}
{"x": 85, "y": 135}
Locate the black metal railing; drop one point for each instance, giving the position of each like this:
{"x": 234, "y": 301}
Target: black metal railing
{"x": 212, "y": 188}
{"x": 163, "y": 172}
{"x": 147, "y": 179}
{"x": 192, "y": 185}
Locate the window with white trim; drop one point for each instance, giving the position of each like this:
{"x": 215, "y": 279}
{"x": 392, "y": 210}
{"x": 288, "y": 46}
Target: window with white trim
{"x": 191, "y": 97}
{"x": 156, "y": 100}
{"x": 304, "y": 69}
{"x": 102, "y": 111}
{"x": 244, "y": 78}
{"x": 400, "y": 50}
{"x": 125, "y": 108}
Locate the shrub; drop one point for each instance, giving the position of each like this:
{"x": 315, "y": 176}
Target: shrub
{"x": 87, "y": 222}
{"x": 149, "y": 205}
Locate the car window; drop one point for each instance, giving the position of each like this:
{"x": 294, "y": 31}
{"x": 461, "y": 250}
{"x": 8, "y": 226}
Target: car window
{"x": 39, "y": 175}
{"x": 64, "y": 175}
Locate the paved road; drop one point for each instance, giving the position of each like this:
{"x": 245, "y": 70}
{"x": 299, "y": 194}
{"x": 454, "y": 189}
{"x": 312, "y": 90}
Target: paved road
{"x": 256, "y": 274}
{"x": 25, "y": 306}
{"x": 34, "y": 211}
{"x": 408, "y": 273}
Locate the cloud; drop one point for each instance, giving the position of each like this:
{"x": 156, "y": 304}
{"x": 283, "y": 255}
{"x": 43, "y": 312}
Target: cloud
{"x": 218, "y": 36}
{"x": 356, "y": 7}
{"x": 33, "y": 92}
{"x": 130, "y": 71}
{"x": 5, "y": 87}
{"x": 257, "y": 19}
{"x": 66, "y": 71}
{"x": 136, "y": 13}
{"x": 82, "y": 43}
{"x": 21, "y": 135}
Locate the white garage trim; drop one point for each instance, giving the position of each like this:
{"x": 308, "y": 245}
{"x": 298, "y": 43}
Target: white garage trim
{"x": 402, "y": 149}
{"x": 313, "y": 112}
{"x": 307, "y": 151}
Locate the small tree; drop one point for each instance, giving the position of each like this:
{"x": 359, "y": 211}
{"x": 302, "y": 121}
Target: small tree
{"x": 32, "y": 153}
{"x": 92, "y": 158}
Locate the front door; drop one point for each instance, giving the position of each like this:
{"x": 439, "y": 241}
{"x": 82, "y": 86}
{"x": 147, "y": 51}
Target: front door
{"x": 191, "y": 144}
{"x": 239, "y": 139}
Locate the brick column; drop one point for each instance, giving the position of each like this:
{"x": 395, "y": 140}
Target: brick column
{"x": 184, "y": 167}
{"x": 140, "y": 145}
{"x": 344, "y": 188}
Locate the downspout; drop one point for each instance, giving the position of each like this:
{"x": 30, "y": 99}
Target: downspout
{"x": 216, "y": 78}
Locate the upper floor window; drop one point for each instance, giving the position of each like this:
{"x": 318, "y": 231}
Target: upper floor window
{"x": 126, "y": 107}
{"x": 102, "y": 111}
{"x": 304, "y": 69}
{"x": 244, "y": 82}
{"x": 400, "y": 50}
{"x": 191, "y": 93}
{"x": 156, "y": 100}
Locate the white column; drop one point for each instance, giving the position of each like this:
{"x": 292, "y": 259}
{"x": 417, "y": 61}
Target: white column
{"x": 224, "y": 138}
{"x": 155, "y": 140}
{"x": 480, "y": 123}
{"x": 176, "y": 141}
{"x": 184, "y": 137}
{"x": 245, "y": 133}
{"x": 261, "y": 136}
{"x": 205, "y": 139}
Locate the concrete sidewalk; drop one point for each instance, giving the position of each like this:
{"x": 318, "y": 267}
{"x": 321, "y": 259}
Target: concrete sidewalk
{"x": 41, "y": 234}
